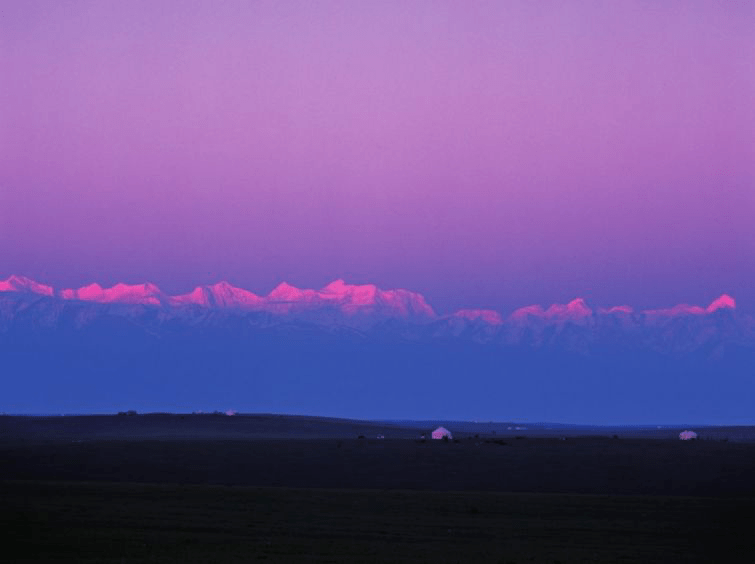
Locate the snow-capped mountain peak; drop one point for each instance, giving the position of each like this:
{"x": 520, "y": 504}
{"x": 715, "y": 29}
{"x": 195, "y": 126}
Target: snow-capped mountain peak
{"x": 365, "y": 294}
{"x": 22, "y": 284}
{"x": 523, "y": 313}
{"x": 622, "y": 309}
{"x": 145, "y": 294}
{"x": 724, "y": 301}
{"x": 221, "y": 294}
{"x": 363, "y": 305}
{"x": 199, "y": 296}
{"x": 574, "y": 310}
{"x": 285, "y": 292}
{"x": 677, "y": 310}
{"x": 226, "y": 295}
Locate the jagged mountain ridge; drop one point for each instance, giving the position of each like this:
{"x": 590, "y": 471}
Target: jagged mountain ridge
{"x": 369, "y": 309}
{"x": 285, "y": 298}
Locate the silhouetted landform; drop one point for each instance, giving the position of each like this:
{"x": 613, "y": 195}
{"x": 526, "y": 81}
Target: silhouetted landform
{"x": 266, "y": 450}
{"x": 219, "y": 488}
{"x": 132, "y": 425}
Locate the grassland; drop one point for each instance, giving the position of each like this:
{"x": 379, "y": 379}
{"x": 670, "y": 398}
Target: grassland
{"x": 228, "y": 490}
{"x": 106, "y": 522}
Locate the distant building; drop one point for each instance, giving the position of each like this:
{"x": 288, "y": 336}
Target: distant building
{"x": 687, "y": 435}
{"x": 441, "y": 433}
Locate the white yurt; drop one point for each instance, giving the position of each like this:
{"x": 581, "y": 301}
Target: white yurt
{"x": 441, "y": 432}
{"x": 687, "y": 435}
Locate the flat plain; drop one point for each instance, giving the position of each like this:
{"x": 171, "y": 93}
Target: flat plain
{"x": 211, "y": 488}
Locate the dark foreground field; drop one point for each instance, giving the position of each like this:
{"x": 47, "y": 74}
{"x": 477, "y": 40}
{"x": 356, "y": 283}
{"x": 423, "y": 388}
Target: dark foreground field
{"x": 126, "y": 522}
{"x": 83, "y": 493}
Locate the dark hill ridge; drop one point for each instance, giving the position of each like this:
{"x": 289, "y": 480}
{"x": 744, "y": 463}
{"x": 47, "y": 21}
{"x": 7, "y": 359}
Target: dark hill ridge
{"x": 215, "y": 426}
{"x": 267, "y": 450}
{"x": 220, "y": 426}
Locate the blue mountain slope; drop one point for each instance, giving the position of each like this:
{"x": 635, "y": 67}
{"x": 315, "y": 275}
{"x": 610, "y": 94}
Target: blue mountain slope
{"x": 76, "y": 357}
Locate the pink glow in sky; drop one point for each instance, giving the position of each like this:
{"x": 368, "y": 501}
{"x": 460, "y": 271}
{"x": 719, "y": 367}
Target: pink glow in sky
{"x": 486, "y": 155}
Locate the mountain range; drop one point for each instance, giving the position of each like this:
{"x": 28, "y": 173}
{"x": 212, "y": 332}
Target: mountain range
{"x": 347, "y": 304}
{"x": 358, "y": 350}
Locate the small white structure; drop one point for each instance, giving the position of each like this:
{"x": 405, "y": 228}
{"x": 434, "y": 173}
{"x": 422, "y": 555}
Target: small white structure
{"x": 441, "y": 433}
{"x": 687, "y": 435}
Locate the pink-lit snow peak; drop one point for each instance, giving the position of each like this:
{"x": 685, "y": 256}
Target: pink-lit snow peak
{"x": 92, "y": 292}
{"x": 285, "y": 292}
{"x": 365, "y": 294}
{"x": 222, "y": 295}
{"x": 22, "y": 284}
{"x": 523, "y": 313}
{"x": 680, "y": 309}
{"x": 354, "y": 297}
{"x": 623, "y": 309}
{"x": 146, "y": 294}
{"x": 349, "y": 299}
{"x": 199, "y": 296}
{"x": 227, "y": 295}
{"x": 489, "y": 316}
{"x": 574, "y": 310}
{"x": 725, "y": 301}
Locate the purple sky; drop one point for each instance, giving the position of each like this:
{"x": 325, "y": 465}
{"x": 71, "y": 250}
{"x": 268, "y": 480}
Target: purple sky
{"x": 485, "y": 154}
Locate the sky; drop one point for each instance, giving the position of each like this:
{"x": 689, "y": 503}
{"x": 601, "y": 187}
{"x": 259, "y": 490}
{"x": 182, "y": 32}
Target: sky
{"x": 484, "y": 154}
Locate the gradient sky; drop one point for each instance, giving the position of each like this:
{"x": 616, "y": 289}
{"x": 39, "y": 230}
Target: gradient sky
{"x": 485, "y": 154}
